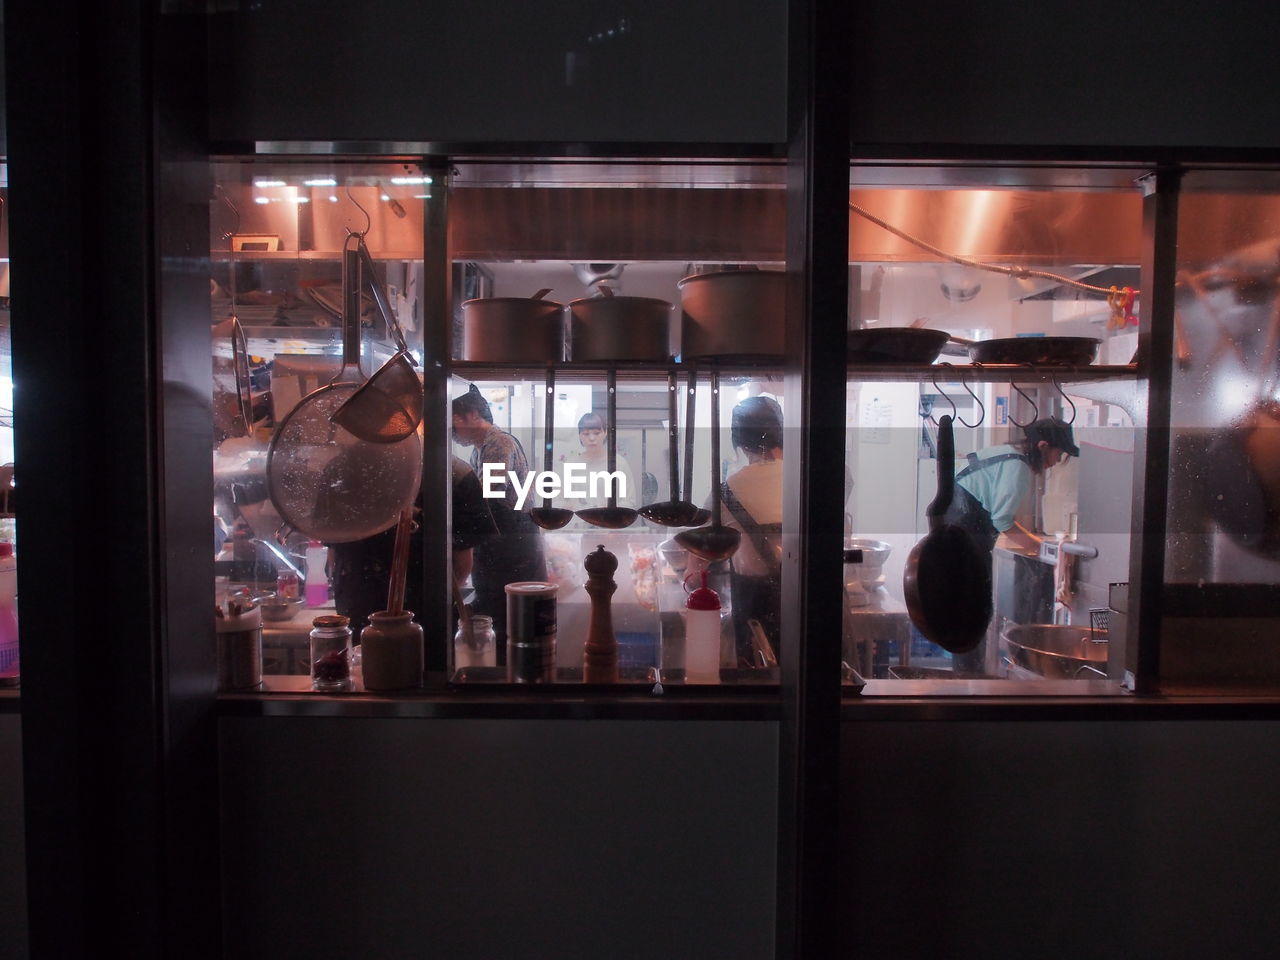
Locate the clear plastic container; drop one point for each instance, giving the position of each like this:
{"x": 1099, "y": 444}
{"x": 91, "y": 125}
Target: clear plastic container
{"x": 317, "y": 588}
{"x": 702, "y": 635}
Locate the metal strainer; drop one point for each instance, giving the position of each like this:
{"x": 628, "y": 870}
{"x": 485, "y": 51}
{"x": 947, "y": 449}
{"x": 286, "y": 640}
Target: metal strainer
{"x": 324, "y": 480}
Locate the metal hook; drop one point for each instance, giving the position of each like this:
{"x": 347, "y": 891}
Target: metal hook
{"x": 232, "y": 207}
{"x": 368, "y": 221}
{"x": 942, "y": 393}
{"x": 1063, "y": 393}
{"x": 1025, "y": 396}
{"x": 982, "y": 410}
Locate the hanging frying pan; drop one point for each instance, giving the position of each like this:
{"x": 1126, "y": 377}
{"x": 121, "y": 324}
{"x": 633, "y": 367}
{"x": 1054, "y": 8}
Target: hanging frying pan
{"x": 324, "y": 480}
{"x": 947, "y": 581}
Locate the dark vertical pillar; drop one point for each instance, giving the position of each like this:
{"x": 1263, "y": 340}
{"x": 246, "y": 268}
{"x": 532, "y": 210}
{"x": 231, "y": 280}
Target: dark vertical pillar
{"x": 111, "y": 362}
{"x": 1151, "y": 449}
{"x": 437, "y": 488}
{"x": 817, "y": 267}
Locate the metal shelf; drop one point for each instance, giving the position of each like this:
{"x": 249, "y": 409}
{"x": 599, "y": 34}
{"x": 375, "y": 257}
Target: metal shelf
{"x": 993, "y": 372}
{"x": 770, "y": 367}
{"x": 246, "y": 256}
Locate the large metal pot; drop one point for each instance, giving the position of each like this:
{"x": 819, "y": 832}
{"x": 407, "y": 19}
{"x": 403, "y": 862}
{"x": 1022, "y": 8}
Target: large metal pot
{"x": 737, "y": 313}
{"x": 516, "y": 329}
{"x": 1057, "y": 651}
{"x": 620, "y": 328}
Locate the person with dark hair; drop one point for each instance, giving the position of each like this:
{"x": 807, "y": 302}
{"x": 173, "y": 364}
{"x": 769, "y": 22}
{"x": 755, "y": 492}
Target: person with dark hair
{"x": 993, "y": 483}
{"x": 594, "y": 455}
{"x": 752, "y": 496}
{"x": 515, "y": 555}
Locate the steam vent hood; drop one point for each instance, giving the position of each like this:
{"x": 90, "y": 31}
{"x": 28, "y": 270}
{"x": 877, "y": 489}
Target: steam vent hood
{"x": 660, "y": 223}
{"x": 707, "y": 221}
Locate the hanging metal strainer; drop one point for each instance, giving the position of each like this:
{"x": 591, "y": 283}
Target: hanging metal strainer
{"x": 324, "y": 480}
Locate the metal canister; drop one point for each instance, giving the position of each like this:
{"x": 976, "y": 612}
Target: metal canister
{"x": 240, "y": 648}
{"x": 531, "y": 632}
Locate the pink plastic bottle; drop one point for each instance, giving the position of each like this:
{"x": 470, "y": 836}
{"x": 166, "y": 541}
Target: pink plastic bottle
{"x": 317, "y": 589}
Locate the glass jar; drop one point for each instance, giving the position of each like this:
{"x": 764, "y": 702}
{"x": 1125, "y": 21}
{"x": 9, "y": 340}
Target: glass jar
{"x": 482, "y": 648}
{"x": 391, "y": 651}
{"x": 331, "y": 654}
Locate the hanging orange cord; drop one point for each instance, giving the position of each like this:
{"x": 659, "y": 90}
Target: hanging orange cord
{"x": 1018, "y": 272}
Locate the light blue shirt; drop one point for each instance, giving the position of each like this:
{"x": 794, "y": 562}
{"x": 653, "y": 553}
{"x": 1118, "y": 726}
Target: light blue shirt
{"x": 1000, "y": 487}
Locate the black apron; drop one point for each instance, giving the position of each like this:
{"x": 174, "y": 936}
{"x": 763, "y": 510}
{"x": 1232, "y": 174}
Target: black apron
{"x": 967, "y": 512}
{"x": 513, "y": 556}
{"x": 755, "y": 597}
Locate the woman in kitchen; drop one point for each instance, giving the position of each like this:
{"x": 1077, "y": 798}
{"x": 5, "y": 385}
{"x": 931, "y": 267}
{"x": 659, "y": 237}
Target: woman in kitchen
{"x": 993, "y": 483}
{"x": 593, "y": 454}
{"x": 515, "y": 555}
{"x": 752, "y": 497}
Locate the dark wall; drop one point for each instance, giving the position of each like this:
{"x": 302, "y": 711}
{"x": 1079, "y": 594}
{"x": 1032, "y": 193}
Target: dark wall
{"x": 13, "y": 860}
{"x": 389, "y": 838}
{"x": 493, "y": 70}
{"x": 1090, "y": 75}
{"x": 1060, "y": 840}
{"x": 1103, "y": 73}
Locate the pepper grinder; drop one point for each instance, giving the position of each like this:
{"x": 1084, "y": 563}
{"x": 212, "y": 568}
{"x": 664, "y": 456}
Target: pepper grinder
{"x": 600, "y": 662}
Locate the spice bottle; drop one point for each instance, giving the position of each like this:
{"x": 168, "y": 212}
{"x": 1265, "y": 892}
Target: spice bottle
{"x": 480, "y": 649}
{"x": 331, "y": 654}
{"x": 702, "y": 635}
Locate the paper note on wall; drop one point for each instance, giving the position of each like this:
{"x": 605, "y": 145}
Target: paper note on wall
{"x": 876, "y": 419}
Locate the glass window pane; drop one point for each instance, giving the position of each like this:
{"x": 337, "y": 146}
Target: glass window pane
{"x": 304, "y": 508}
{"x": 1223, "y": 549}
{"x": 984, "y": 295}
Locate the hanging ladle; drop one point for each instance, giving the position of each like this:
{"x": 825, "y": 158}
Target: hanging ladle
{"x": 612, "y": 517}
{"x": 716, "y": 542}
{"x": 700, "y": 515}
{"x": 674, "y": 512}
{"x": 547, "y": 516}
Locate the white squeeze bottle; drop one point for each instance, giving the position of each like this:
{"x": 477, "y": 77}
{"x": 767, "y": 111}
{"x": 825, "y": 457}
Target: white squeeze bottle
{"x": 702, "y": 635}
{"x": 317, "y": 589}
{"x": 9, "y": 667}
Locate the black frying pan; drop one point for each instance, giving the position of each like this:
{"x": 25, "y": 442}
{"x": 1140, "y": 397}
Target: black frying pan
{"x": 947, "y": 582}
{"x": 1070, "y": 351}
{"x": 895, "y": 345}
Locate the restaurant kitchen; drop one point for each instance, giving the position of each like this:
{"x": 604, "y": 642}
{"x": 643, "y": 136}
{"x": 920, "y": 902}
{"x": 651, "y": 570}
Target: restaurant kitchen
{"x": 975, "y": 264}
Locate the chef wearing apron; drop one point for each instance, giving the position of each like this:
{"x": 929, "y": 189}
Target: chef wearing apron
{"x": 514, "y": 555}
{"x": 991, "y": 486}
